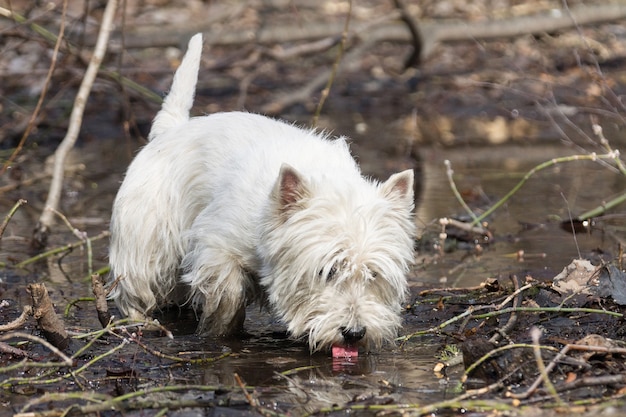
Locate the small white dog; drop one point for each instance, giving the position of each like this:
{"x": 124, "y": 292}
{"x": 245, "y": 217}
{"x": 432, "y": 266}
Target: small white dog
{"x": 222, "y": 210}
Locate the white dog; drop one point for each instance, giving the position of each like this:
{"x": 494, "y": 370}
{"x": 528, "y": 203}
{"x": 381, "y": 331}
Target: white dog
{"x": 222, "y": 210}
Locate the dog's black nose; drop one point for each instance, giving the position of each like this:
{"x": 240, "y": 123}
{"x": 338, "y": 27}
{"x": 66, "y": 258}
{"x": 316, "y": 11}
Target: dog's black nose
{"x": 353, "y": 335}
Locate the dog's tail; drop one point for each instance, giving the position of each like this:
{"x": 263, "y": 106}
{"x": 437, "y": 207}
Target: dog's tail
{"x": 177, "y": 104}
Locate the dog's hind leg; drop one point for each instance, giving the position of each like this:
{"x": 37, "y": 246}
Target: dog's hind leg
{"x": 219, "y": 287}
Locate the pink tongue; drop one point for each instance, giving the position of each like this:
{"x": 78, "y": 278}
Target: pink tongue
{"x": 347, "y": 351}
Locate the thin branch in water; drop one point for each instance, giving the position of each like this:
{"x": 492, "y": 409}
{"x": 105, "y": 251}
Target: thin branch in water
{"x": 602, "y": 208}
{"x": 548, "y": 310}
{"x": 467, "y": 227}
{"x": 136, "y": 339}
{"x": 8, "y": 217}
{"x": 457, "y": 194}
{"x": 65, "y": 360}
{"x": 82, "y": 235}
{"x": 281, "y": 52}
{"x": 590, "y": 157}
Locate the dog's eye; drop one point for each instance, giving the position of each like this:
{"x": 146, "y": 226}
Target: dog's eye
{"x": 331, "y": 273}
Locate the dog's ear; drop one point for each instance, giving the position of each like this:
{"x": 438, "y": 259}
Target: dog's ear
{"x": 290, "y": 189}
{"x": 399, "y": 186}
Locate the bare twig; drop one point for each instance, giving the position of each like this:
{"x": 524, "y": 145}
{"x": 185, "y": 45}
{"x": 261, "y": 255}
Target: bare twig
{"x": 8, "y": 217}
{"x": 82, "y": 235}
{"x": 136, "y": 339}
{"x": 455, "y": 191}
{"x": 40, "y": 236}
{"x": 104, "y": 402}
{"x": 253, "y": 400}
{"x": 548, "y": 310}
{"x": 516, "y": 297}
{"x": 60, "y": 249}
{"x": 35, "y": 27}
{"x": 604, "y": 142}
{"x": 467, "y": 227}
{"x": 27, "y": 310}
{"x": 535, "y": 335}
{"x": 558, "y": 358}
{"x": 280, "y": 52}
{"x": 35, "y": 178}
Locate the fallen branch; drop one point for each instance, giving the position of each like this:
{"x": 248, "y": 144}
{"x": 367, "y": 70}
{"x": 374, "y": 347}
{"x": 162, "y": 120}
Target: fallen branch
{"x": 16, "y": 352}
{"x": 432, "y": 32}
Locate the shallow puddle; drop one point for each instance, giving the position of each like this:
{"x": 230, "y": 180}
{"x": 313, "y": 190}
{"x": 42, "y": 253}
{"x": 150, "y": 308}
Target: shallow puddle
{"x": 528, "y": 232}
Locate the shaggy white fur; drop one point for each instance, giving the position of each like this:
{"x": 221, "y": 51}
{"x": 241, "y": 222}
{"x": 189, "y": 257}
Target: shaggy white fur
{"x": 222, "y": 210}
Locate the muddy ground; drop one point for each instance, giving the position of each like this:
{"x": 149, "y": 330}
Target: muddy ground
{"x": 494, "y": 108}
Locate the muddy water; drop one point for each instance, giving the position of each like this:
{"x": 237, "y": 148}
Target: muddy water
{"x": 286, "y": 376}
